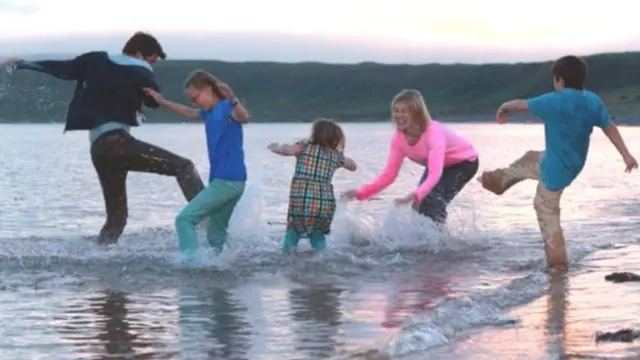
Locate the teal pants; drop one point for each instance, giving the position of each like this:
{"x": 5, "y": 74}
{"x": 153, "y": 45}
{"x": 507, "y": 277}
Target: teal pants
{"x": 291, "y": 239}
{"x": 217, "y": 202}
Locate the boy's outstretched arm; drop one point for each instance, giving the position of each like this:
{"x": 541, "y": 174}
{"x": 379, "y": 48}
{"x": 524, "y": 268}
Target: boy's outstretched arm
{"x": 285, "y": 149}
{"x": 510, "y": 107}
{"x": 614, "y": 136}
{"x": 62, "y": 69}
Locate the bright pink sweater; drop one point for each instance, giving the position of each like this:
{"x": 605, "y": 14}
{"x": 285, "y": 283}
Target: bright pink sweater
{"x": 437, "y": 148}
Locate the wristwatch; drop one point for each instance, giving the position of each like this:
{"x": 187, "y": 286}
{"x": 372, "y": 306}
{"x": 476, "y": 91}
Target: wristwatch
{"x": 233, "y": 101}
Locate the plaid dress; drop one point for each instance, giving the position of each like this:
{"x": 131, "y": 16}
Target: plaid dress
{"x": 312, "y": 204}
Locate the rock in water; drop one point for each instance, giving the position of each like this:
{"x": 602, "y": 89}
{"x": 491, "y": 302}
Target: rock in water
{"x": 624, "y": 335}
{"x": 618, "y": 277}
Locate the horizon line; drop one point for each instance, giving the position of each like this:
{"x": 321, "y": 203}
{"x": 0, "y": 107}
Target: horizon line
{"x": 43, "y": 56}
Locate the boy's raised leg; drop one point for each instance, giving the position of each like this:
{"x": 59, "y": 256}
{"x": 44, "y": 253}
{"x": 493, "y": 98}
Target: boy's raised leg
{"x": 500, "y": 180}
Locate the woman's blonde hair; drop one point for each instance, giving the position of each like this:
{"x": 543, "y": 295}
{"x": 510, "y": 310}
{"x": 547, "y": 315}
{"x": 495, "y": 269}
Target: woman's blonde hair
{"x": 201, "y": 79}
{"x": 419, "y": 112}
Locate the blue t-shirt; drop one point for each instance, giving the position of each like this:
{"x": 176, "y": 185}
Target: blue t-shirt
{"x": 224, "y": 143}
{"x": 569, "y": 117}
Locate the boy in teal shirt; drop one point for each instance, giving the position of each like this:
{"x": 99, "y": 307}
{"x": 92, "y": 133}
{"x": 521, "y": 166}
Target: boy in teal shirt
{"x": 569, "y": 114}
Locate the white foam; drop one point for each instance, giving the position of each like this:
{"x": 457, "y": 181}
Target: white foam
{"x": 456, "y": 315}
{"x": 356, "y": 238}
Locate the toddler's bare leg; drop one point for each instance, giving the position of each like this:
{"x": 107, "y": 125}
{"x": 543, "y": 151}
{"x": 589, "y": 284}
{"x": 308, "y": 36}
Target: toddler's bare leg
{"x": 500, "y": 180}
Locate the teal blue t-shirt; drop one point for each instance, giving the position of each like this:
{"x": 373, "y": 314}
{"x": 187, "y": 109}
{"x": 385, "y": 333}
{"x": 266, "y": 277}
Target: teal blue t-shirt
{"x": 569, "y": 117}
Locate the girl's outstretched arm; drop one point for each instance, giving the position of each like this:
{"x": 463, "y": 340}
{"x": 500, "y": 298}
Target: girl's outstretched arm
{"x": 285, "y": 149}
{"x": 185, "y": 111}
{"x": 349, "y": 164}
{"x": 179, "y": 109}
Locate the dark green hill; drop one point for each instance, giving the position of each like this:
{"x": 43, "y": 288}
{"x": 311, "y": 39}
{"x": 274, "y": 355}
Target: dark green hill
{"x": 302, "y": 91}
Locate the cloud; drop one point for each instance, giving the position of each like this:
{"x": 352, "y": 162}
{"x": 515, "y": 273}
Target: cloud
{"x": 18, "y": 7}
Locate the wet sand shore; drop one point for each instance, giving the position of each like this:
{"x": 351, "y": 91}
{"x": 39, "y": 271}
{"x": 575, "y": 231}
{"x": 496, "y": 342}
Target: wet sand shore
{"x": 563, "y": 323}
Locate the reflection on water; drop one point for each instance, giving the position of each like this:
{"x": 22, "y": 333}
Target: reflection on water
{"x": 212, "y": 323}
{"x": 115, "y": 330}
{"x": 144, "y": 308}
{"x": 414, "y": 297}
{"x": 200, "y": 316}
{"x": 564, "y": 321}
{"x": 557, "y": 303}
{"x": 107, "y": 325}
{"x": 315, "y": 315}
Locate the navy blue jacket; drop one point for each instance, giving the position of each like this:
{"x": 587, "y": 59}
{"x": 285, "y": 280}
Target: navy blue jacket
{"x": 105, "y": 91}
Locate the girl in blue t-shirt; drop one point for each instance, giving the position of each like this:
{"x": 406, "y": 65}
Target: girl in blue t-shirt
{"x": 223, "y": 116}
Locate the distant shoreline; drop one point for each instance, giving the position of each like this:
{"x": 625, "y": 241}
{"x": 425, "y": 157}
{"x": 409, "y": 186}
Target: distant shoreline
{"x": 273, "y": 92}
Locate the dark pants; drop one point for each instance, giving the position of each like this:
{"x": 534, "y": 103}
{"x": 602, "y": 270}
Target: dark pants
{"x": 116, "y": 153}
{"x": 453, "y": 179}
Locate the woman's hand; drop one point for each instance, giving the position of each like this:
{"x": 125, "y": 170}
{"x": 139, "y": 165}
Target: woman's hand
{"x": 408, "y": 199}
{"x": 349, "y": 194}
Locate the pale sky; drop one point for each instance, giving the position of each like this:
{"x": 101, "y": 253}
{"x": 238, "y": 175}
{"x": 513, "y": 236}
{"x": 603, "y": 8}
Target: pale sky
{"x": 345, "y": 31}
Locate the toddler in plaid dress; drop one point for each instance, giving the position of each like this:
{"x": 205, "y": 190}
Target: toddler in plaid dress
{"x": 312, "y": 204}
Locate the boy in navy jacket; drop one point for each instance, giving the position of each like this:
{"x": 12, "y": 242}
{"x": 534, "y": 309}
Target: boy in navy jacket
{"x": 107, "y": 102}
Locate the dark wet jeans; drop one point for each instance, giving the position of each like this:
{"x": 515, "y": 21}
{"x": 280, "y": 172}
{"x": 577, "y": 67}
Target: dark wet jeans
{"x": 116, "y": 153}
{"x": 453, "y": 179}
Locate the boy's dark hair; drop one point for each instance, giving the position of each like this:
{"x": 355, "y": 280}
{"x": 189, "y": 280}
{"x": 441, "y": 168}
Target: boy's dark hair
{"x": 571, "y": 69}
{"x": 144, "y": 43}
{"x": 327, "y": 133}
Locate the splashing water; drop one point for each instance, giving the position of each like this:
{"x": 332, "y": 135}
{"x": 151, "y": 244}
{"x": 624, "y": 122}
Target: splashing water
{"x": 490, "y": 258}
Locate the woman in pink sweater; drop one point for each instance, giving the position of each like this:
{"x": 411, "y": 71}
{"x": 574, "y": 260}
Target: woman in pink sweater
{"x": 450, "y": 160}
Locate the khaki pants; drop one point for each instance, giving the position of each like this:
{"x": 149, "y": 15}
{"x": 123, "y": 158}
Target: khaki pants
{"x": 546, "y": 203}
